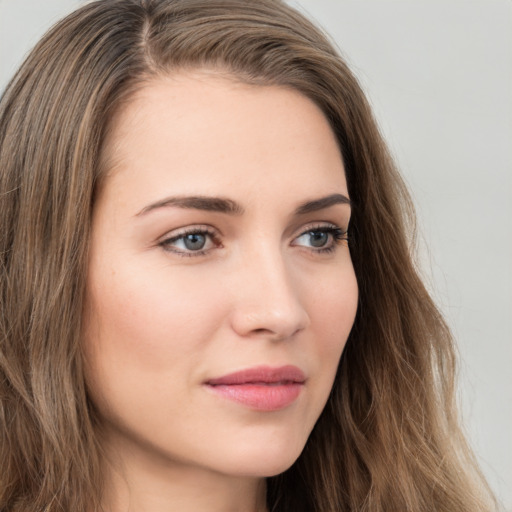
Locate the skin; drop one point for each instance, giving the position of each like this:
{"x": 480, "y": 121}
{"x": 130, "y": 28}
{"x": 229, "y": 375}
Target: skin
{"x": 161, "y": 319}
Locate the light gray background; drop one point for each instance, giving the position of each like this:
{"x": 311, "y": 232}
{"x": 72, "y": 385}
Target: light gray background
{"x": 439, "y": 75}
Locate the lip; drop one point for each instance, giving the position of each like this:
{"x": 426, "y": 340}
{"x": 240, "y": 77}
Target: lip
{"x": 262, "y": 388}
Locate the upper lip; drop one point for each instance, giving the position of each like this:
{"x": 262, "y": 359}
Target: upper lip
{"x": 261, "y": 374}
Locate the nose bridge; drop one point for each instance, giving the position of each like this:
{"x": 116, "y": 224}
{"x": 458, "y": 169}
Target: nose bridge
{"x": 268, "y": 301}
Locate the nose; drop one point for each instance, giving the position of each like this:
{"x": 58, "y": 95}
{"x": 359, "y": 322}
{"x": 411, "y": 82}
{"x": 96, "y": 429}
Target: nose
{"x": 267, "y": 299}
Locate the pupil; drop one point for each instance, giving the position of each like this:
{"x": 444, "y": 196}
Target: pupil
{"x": 195, "y": 241}
{"x": 318, "y": 238}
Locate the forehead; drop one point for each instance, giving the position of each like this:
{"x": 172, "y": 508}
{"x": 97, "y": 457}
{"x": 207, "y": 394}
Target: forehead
{"x": 206, "y": 129}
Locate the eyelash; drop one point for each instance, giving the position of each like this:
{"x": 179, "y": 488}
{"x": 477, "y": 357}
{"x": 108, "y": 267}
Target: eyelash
{"x": 337, "y": 235}
{"x": 197, "y": 230}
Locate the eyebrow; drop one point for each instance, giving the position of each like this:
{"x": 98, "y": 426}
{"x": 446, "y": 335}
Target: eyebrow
{"x": 320, "y": 204}
{"x": 205, "y": 203}
{"x": 228, "y": 206}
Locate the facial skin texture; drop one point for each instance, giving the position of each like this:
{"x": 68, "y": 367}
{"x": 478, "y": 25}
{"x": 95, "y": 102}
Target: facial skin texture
{"x": 160, "y": 321}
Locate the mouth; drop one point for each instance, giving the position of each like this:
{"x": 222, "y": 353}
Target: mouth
{"x": 262, "y": 388}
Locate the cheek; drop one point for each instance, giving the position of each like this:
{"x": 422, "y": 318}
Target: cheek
{"x": 146, "y": 312}
{"x": 140, "y": 327}
{"x": 333, "y": 308}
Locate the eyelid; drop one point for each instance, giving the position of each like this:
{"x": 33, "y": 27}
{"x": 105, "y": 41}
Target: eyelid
{"x": 318, "y": 226}
{"x": 178, "y": 233}
{"x": 337, "y": 233}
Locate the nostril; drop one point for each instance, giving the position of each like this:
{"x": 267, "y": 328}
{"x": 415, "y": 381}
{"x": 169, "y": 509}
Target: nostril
{"x": 261, "y": 331}
{"x": 278, "y": 334}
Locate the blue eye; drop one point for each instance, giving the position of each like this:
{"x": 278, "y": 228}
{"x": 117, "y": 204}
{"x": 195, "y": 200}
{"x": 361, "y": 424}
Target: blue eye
{"x": 321, "y": 238}
{"x": 318, "y": 238}
{"x": 194, "y": 242}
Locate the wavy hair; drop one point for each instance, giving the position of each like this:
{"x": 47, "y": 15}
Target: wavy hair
{"x": 388, "y": 439}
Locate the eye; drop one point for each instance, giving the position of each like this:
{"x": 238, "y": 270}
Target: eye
{"x": 191, "y": 242}
{"x": 194, "y": 241}
{"x": 321, "y": 238}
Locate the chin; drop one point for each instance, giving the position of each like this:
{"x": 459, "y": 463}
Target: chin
{"x": 264, "y": 460}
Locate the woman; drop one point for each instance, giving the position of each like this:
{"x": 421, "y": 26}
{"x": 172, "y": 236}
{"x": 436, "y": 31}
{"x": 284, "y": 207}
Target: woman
{"x": 208, "y": 296}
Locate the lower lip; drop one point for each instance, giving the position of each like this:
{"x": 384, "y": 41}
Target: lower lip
{"x": 261, "y": 397}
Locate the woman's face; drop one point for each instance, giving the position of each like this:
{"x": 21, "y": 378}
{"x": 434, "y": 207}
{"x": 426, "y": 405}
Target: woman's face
{"x": 220, "y": 289}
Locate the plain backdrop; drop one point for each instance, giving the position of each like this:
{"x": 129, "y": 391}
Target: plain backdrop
{"x": 439, "y": 75}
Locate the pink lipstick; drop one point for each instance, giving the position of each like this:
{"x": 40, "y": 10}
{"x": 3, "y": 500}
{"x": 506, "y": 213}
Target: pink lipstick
{"x": 262, "y": 388}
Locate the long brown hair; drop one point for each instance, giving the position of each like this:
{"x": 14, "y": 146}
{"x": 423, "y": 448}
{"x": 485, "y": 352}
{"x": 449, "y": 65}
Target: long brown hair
{"x": 388, "y": 439}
